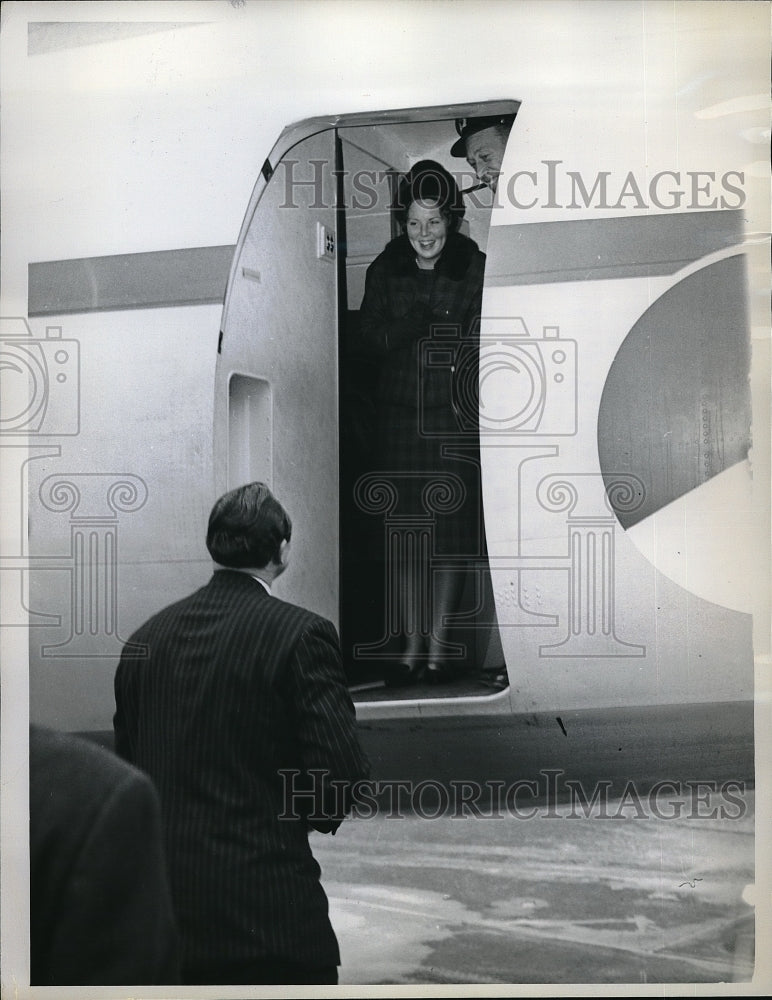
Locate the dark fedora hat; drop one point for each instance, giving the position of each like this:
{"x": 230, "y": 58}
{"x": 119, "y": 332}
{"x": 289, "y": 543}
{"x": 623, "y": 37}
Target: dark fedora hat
{"x": 470, "y": 126}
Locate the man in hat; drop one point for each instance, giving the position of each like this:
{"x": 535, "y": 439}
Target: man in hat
{"x": 482, "y": 142}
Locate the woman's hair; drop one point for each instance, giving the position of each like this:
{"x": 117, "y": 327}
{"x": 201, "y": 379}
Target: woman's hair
{"x": 247, "y": 527}
{"x": 430, "y": 181}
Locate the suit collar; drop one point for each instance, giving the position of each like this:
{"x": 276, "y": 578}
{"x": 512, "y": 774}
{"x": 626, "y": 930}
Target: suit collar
{"x": 241, "y": 577}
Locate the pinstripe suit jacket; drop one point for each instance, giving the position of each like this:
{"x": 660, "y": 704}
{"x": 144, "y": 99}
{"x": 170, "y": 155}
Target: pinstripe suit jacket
{"x": 236, "y": 686}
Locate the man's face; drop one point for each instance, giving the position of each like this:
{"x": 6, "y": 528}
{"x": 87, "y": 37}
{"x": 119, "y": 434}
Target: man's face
{"x": 484, "y": 153}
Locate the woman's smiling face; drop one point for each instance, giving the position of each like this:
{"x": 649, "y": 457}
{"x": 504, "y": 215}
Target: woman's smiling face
{"x": 427, "y": 229}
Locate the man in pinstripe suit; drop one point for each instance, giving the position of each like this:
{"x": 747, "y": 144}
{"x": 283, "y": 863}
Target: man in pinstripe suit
{"x": 238, "y": 686}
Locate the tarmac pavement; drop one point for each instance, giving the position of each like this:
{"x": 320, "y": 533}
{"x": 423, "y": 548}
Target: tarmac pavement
{"x": 619, "y": 895}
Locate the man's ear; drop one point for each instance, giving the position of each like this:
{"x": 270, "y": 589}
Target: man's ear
{"x": 284, "y": 553}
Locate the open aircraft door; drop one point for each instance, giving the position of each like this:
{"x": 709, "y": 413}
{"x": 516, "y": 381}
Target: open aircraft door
{"x": 291, "y": 397}
{"x": 276, "y": 416}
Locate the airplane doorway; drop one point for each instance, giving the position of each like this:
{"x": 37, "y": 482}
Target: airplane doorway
{"x": 295, "y": 401}
{"x": 374, "y": 533}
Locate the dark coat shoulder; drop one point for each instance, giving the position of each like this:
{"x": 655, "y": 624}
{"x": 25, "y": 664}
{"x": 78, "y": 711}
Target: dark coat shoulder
{"x": 100, "y": 907}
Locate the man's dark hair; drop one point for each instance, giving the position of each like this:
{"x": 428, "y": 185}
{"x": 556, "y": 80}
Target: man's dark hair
{"x": 430, "y": 181}
{"x": 246, "y": 528}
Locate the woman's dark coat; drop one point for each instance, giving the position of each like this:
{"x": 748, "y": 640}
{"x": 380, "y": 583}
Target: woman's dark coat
{"x": 422, "y": 330}
{"x": 402, "y": 309}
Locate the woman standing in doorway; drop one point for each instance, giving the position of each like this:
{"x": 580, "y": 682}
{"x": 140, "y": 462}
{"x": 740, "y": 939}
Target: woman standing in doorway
{"x": 420, "y": 319}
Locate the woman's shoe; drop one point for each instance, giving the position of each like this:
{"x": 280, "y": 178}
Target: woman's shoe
{"x": 403, "y": 674}
{"x": 496, "y": 679}
{"x": 440, "y": 673}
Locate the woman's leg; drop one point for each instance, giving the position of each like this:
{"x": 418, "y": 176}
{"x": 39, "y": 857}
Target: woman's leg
{"x": 414, "y": 615}
{"x": 448, "y": 591}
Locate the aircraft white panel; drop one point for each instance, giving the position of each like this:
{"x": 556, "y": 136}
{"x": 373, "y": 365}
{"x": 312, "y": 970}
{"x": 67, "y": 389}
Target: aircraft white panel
{"x": 278, "y": 369}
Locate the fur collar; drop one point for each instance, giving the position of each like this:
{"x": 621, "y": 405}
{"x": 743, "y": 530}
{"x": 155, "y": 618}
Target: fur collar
{"x": 454, "y": 261}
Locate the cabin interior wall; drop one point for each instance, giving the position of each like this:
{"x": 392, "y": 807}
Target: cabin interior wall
{"x": 368, "y": 158}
